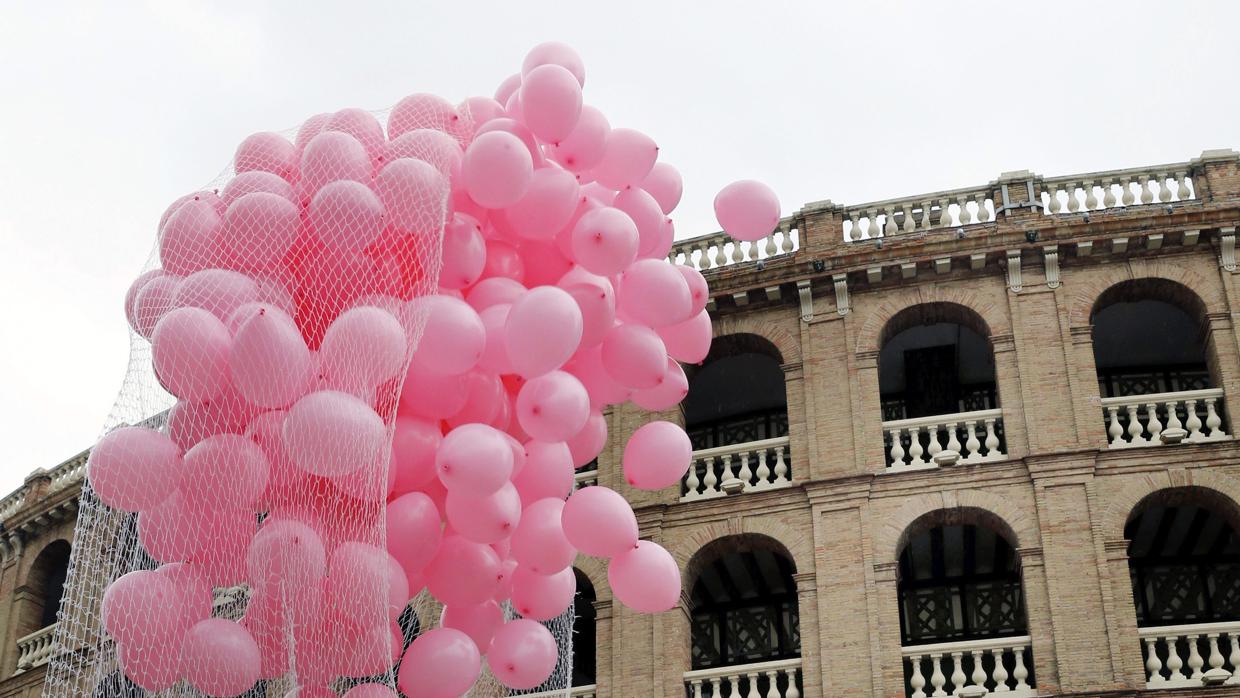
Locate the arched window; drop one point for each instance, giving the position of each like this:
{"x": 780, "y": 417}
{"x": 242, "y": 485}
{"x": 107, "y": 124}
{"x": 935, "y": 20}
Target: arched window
{"x": 936, "y": 379}
{"x": 584, "y": 632}
{"x": 46, "y": 580}
{"x": 1151, "y": 351}
{"x": 737, "y": 413}
{"x": 961, "y": 596}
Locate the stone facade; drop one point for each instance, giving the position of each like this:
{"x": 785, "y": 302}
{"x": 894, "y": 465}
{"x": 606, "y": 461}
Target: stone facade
{"x": 1029, "y": 265}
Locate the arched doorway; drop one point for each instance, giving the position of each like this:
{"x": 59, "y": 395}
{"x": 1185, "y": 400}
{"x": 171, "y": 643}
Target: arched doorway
{"x": 736, "y": 414}
{"x": 1151, "y": 350}
{"x": 585, "y": 628}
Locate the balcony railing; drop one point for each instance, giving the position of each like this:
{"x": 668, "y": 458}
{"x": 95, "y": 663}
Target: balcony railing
{"x": 928, "y": 442}
{"x": 575, "y": 692}
{"x": 777, "y": 679}
{"x": 1117, "y": 188}
{"x": 585, "y": 478}
{"x": 1191, "y": 416}
{"x": 945, "y": 209}
{"x": 756, "y": 465}
{"x": 719, "y": 250}
{"x": 1000, "y": 665}
{"x": 35, "y": 649}
{"x": 1184, "y": 655}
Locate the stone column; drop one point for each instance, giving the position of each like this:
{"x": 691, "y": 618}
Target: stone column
{"x": 807, "y": 611}
{"x": 886, "y": 647}
{"x": 1125, "y": 643}
{"x": 829, "y": 386}
{"x": 798, "y": 421}
{"x": 1038, "y": 619}
{"x": 1091, "y": 423}
{"x": 1221, "y": 353}
{"x": 673, "y": 648}
{"x": 844, "y": 606}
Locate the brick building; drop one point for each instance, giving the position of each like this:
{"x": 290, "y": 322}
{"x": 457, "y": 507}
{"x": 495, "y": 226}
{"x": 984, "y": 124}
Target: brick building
{"x": 965, "y": 442}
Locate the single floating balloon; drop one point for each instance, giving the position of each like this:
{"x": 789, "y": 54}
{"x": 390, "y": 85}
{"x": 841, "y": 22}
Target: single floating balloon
{"x": 747, "y": 210}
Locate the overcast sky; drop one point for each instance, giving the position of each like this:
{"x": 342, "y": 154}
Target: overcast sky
{"x": 110, "y": 111}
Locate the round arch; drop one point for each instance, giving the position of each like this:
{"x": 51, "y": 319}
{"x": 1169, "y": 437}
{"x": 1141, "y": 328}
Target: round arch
{"x": 45, "y": 581}
{"x": 1094, "y": 286}
{"x": 1002, "y": 514}
{"x": 1217, "y": 487}
{"x": 779, "y": 537}
{"x": 989, "y": 313}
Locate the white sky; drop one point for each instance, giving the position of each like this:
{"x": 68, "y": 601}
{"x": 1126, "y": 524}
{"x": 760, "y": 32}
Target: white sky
{"x": 108, "y": 111}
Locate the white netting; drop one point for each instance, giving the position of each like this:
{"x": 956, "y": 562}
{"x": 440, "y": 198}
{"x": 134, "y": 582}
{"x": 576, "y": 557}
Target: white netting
{"x": 365, "y": 362}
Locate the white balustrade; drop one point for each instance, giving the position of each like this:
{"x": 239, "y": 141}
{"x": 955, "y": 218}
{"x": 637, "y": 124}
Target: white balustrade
{"x": 36, "y": 648}
{"x": 590, "y": 691}
{"x": 1000, "y": 665}
{"x": 949, "y": 209}
{"x": 720, "y": 250}
{"x": 1183, "y": 655}
{"x": 1191, "y": 416}
{"x": 759, "y": 465}
{"x": 921, "y": 442}
{"x": 585, "y": 478}
{"x": 777, "y": 679}
{"x": 1106, "y": 190}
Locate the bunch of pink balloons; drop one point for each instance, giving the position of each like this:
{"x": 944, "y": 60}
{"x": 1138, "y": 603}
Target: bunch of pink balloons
{"x": 390, "y": 349}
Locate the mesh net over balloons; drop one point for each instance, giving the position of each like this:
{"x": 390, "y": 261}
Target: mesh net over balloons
{"x": 365, "y": 363}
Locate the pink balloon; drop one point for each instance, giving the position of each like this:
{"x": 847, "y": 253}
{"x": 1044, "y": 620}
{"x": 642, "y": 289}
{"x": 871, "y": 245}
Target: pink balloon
{"x": 360, "y": 124}
{"x": 553, "y": 53}
{"x": 584, "y": 147}
{"x": 634, "y": 356}
{"x": 547, "y": 206}
{"x": 156, "y": 297}
{"x": 441, "y": 663}
{"x": 362, "y": 348}
{"x": 657, "y": 456}
{"x": 413, "y": 531}
{"x": 588, "y": 443}
{"x": 370, "y": 690}
{"x": 414, "y": 195}
{"x": 654, "y": 293}
{"x": 544, "y": 264}
{"x": 596, "y": 300}
{"x": 542, "y": 331}
{"x": 553, "y": 406}
{"x": 414, "y": 442}
{"x": 134, "y": 468}
{"x": 256, "y": 181}
{"x": 453, "y": 336}
{"x": 332, "y": 156}
{"x": 480, "y": 110}
{"x": 604, "y": 241}
{"x": 131, "y": 295}
{"x": 432, "y": 395}
{"x": 285, "y": 554}
{"x": 366, "y": 585}
{"x": 550, "y": 102}
{"x": 174, "y": 531}
{"x": 514, "y": 127}
{"x": 269, "y": 362}
{"x": 267, "y": 152}
{"x": 141, "y": 608}
{"x": 507, "y": 88}
{"x": 495, "y": 291}
{"x": 627, "y": 159}
{"x": 226, "y": 471}
{"x": 668, "y": 393}
{"x": 479, "y": 621}
{"x": 147, "y": 665}
{"x": 486, "y": 401}
{"x": 645, "y": 578}
{"x": 539, "y": 543}
{"x": 497, "y": 169}
{"x": 486, "y": 519}
{"x": 189, "y": 241}
{"x": 220, "y": 658}
{"x": 523, "y": 654}
{"x": 464, "y": 253}
{"x": 189, "y": 350}
{"x": 259, "y": 228}
{"x": 346, "y": 215}
{"x": 333, "y": 433}
{"x": 542, "y": 597}
{"x": 193, "y": 593}
{"x": 503, "y": 261}
{"x": 218, "y": 290}
{"x": 463, "y": 572}
{"x": 646, "y": 215}
{"x": 699, "y": 292}
{"x": 548, "y": 472}
{"x": 747, "y": 210}
{"x": 665, "y": 185}
{"x": 474, "y": 459}
{"x": 422, "y": 111}
{"x": 599, "y": 522}
{"x": 440, "y": 150}
{"x": 688, "y": 341}
{"x": 309, "y": 129}
{"x": 495, "y": 355}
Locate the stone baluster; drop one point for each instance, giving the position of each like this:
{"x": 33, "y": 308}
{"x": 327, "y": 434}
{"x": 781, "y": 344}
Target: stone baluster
{"x": 781, "y": 465}
{"x": 1213, "y": 421}
{"x": 1216, "y": 657}
{"x": 937, "y": 679}
{"x": 972, "y": 446}
{"x": 1000, "y": 673}
{"x": 1108, "y": 193}
{"x": 745, "y": 473}
{"x": 793, "y": 691}
{"x": 691, "y": 480}
{"x": 1147, "y": 195}
{"x": 925, "y": 215}
{"x": 965, "y": 216}
{"x": 712, "y": 480}
{"x": 992, "y": 439}
{"x": 855, "y": 231}
{"x": 697, "y": 688}
{"x": 1195, "y": 662}
{"x": 978, "y": 677}
{"x": 917, "y": 681}
{"x": 753, "y": 685}
{"x": 914, "y": 446}
{"x": 1233, "y": 658}
{"x": 1128, "y": 199}
{"x": 1052, "y": 204}
{"x": 1164, "y": 191}
{"x": 729, "y": 467}
{"x": 1193, "y": 422}
{"x": 1074, "y": 203}
{"x": 945, "y": 214}
{"x": 1154, "y": 427}
{"x": 953, "y": 443}
{"x": 1174, "y": 662}
{"x": 935, "y": 447}
{"x": 764, "y": 247}
{"x": 1019, "y": 672}
{"x": 714, "y": 688}
{"x": 1115, "y": 431}
{"x": 957, "y": 672}
{"x": 1153, "y": 665}
{"x": 909, "y": 225}
{"x": 1181, "y": 186}
{"x": 897, "y": 448}
{"x": 1134, "y": 424}
{"x": 733, "y": 250}
{"x": 772, "y": 687}
{"x": 1173, "y": 415}
{"x": 1091, "y": 201}
{"x": 890, "y": 228}
{"x": 764, "y": 471}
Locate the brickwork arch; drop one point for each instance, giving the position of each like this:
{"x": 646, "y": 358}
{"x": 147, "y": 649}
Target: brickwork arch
{"x": 974, "y": 506}
{"x": 691, "y": 550}
{"x": 594, "y": 570}
{"x": 1094, "y": 285}
{"x": 785, "y": 339}
{"x": 1220, "y": 487}
{"x": 990, "y": 312}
